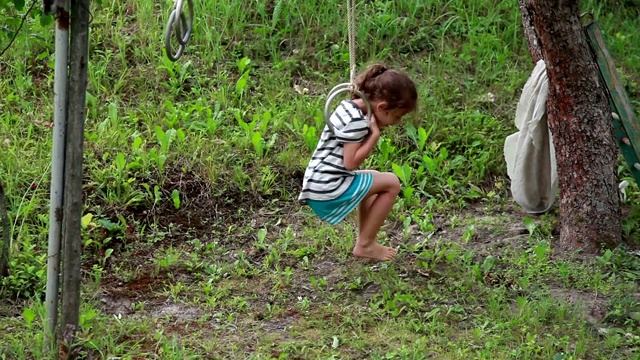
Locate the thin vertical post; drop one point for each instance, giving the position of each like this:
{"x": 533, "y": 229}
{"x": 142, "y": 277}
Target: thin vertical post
{"x": 57, "y": 172}
{"x": 73, "y": 202}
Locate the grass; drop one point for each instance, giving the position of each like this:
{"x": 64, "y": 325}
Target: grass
{"x": 194, "y": 245}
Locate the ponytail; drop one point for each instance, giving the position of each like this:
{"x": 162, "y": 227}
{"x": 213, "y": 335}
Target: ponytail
{"x": 377, "y": 82}
{"x": 364, "y": 80}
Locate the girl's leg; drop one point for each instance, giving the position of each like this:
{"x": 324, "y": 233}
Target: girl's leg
{"x": 373, "y": 211}
{"x": 365, "y": 204}
{"x": 363, "y": 209}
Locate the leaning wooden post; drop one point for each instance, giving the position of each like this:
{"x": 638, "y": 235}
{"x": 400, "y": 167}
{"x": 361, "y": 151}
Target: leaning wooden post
{"x": 5, "y": 235}
{"x": 72, "y": 215}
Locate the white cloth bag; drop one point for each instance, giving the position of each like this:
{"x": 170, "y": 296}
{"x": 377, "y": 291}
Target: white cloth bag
{"x": 529, "y": 153}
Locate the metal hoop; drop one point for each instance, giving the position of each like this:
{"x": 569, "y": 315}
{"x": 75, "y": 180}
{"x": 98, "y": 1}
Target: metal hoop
{"x": 183, "y": 29}
{"x": 167, "y": 37}
{"x": 184, "y": 35}
{"x": 340, "y": 89}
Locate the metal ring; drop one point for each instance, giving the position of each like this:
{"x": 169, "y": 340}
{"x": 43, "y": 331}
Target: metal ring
{"x": 330, "y": 96}
{"x": 184, "y": 33}
{"x": 178, "y": 7}
{"x": 181, "y": 26}
{"x": 339, "y": 87}
{"x": 167, "y": 39}
{"x": 337, "y": 90}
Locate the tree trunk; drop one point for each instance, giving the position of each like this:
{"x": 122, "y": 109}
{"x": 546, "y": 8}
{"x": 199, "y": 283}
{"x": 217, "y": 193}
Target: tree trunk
{"x": 6, "y": 234}
{"x": 580, "y": 120}
{"x": 530, "y": 31}
{"x": 71, "y": 235}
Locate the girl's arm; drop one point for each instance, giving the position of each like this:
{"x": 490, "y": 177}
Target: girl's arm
{"x": 355, "y": 153}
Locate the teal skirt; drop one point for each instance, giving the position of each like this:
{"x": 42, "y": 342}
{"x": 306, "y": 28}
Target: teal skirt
{"x": 335, "y": 210}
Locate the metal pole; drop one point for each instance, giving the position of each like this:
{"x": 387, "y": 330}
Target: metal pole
{"x": 71, "y": 229}
{"x": 57, "y": 173}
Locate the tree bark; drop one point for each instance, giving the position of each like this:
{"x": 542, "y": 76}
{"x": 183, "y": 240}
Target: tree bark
{"x": 6, "y": 234}
{"x": 530, "y": 31}
{"x": 71, "y": 235}
{"x": 580, "y": 120}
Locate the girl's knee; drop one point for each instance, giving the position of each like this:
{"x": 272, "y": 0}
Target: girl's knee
{"x": 392, "y": 182}
{"x": 385, "y": 183}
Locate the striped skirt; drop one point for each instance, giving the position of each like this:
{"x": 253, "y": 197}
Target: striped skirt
{"x": 335, "y": 210}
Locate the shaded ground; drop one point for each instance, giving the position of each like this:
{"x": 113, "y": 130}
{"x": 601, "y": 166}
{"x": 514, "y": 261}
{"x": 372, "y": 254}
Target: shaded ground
{"x": 163, "y": 273}
{"x": 149, "y": 291}
{"x": 201, "y": 272}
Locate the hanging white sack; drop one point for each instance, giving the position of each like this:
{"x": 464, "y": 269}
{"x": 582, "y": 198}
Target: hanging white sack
{"x": 529, "y": 153}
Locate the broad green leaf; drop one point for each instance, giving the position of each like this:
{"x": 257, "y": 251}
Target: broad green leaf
{"x": 530, "y": 224}
{"x": 29, "y": 315}
{"x": 86, "y": 220}
{"x": 121, "y": 162}
{"x": 335, "y": 343}
{"x": 488, "y": 263}
{"x": 422, "y": 138}
{"x": 242, "y": 82}
{"x": 242, "y": 64}
{"x": 262, "y": 234}
{"x": 175, "y": 196}
{"x": 258, "y": 143}
{"x": 46, "y": 20}
{"x": 137, "y": 143}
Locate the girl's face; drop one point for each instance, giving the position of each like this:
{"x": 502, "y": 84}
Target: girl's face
{"x": 388, "y": 117}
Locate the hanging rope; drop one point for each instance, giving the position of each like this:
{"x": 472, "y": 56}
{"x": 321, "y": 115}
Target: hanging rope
{"x": 351, "y": 20}
{"x": 349, "y": 87}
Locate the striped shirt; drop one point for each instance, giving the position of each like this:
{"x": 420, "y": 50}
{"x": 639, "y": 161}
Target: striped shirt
{"x": 326, "y": 178}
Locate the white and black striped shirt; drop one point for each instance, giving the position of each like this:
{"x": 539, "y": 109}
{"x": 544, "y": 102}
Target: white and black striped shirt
{"x": 326, "y": 177}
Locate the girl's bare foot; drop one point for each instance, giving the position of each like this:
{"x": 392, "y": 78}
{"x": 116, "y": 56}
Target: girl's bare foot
{"x": 375, "y": 251}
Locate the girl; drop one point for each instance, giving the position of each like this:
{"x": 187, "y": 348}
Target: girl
{"x": 332, "y": 187}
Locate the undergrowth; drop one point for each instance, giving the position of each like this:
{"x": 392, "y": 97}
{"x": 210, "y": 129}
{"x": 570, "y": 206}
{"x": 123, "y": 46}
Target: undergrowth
{"x": 194, "y": 245}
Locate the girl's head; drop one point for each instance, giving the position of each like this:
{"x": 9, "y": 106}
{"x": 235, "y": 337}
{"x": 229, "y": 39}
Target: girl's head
{"x": 392, "y": 93}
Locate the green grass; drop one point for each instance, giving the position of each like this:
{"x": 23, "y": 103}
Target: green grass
{"x": 195, "y": 247}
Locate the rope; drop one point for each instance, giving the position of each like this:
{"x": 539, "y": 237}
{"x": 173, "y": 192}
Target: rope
{"x": 351, "y": 5}
{"x": 351, "y": 86}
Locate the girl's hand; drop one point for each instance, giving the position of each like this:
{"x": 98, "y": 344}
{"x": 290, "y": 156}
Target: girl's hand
{"x": 355, "y": 153}
{"x": 373, "y": 126}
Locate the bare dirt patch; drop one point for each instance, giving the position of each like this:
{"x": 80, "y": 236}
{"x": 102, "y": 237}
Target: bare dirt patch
{"x": 11, "y": 308}
{"x": 592, "y": 306}
{"x": 119, "y": 297}
{"x": 141, "y": 298}
{"x": 205, "y": 213}
{"x": 282, "y": 324}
